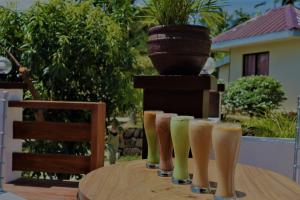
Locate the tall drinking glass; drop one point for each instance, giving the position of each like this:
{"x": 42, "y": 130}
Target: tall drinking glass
{"x": 150, "y": 131}
{"x": 165, "y": 143}
{"x": 226, "y": 139}
{"x": 200, "y": 139}
{"x": 181, "y": 144}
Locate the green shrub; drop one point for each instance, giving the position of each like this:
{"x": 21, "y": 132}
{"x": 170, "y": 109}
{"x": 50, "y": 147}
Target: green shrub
{"x": 253, "y": 95}
{"x": 272, "y": 124}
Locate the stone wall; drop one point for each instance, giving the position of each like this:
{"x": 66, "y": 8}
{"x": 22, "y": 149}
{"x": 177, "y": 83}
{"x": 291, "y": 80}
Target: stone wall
{"x": 131, "y": 142}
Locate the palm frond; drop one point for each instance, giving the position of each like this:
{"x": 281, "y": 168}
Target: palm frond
{"x": 171, "y": 12}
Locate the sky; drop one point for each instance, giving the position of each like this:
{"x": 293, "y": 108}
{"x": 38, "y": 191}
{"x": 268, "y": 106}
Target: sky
{"x": 18, "y": 4}
{"x": 246, "y": 5}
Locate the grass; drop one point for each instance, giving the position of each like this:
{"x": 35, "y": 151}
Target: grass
{"x": 130, "y": 158}
{"x": 271, "y": 124}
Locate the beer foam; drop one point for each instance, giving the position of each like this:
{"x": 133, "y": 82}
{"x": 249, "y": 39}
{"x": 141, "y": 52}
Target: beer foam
{"x": 231, "y": 127}
{"x": 166, "y": 115}
{"x": 201, "y": 122}
{"x": 182, "y": 118}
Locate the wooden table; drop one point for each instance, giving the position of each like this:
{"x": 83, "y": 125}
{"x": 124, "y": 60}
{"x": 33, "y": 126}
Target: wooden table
{"x": 132, "y": 181}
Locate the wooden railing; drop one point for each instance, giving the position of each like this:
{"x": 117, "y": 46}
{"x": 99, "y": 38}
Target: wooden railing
{"x": 94, "y": 132}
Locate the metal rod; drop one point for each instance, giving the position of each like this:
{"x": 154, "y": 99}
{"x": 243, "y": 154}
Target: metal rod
{"x": 220, "y": 105}
{"x": 297, "y": 138}
{"x": 3, "y": 106}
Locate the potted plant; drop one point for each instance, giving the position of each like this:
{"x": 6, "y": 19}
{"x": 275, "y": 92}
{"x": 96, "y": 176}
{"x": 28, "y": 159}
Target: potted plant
{"x": 175, "y": 46}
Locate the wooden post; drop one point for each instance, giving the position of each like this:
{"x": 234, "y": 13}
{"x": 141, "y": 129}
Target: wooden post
{"x": 98, "y": 136}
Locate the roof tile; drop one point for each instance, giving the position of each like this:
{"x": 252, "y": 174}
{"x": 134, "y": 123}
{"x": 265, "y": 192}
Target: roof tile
{"x": 276, "y": 20}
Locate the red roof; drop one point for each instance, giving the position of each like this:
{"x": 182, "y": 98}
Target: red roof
{"x": 276, "y": 20}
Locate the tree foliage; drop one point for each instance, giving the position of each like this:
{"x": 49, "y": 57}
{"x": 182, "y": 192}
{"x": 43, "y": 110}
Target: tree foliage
{"x": 11, "y": 36}
{"x": 76, "y": 51}
{"x": 132, "y": 18}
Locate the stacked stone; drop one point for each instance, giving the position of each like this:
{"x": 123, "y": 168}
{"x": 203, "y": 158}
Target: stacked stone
{"x": 131, "y": 142}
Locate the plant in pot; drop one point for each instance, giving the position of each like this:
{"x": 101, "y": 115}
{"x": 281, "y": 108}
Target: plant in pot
{"x": 175, "y": 46}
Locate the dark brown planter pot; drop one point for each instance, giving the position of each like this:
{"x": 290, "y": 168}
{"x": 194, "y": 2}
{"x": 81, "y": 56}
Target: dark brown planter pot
{"x": 179, "y": 49}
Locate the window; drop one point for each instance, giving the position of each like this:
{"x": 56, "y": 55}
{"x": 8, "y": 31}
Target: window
{"x": 256, "y": 64}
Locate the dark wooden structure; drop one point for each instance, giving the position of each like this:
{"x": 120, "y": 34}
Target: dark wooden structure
{"x": 93, "y": 132}
{"x": 197, "y": 96}
{"x": 7, "y": 85}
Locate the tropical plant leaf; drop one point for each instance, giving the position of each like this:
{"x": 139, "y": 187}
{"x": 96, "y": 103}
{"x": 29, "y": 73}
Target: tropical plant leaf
{"x": 172, "y": 12}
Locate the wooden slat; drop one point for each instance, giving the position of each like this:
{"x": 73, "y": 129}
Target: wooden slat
{"x": 64, "y": 105}
{"x": 33, "y": 189}
{"x": 214, "y": 104}
{"x": 97, "y": 136}
{"x": 51, "y": 163}
{"x": 12, "y": 85}
{"x": 176, "y": 82}
{"x": 52, "y": 131}
{"x": 32, "y": 182}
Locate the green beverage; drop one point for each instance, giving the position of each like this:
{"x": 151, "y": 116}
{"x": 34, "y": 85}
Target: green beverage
{"x": 150, "y": 131}
{"x": 181, "y": 144}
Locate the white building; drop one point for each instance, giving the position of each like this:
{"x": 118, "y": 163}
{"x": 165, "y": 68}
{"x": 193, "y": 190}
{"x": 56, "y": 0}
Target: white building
{"x": 265, "y": 45}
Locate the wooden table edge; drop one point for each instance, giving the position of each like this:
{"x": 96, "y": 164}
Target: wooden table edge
{"x": 82, "y": 196}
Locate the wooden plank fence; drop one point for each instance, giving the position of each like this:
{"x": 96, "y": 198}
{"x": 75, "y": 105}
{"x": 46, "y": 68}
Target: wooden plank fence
{"x": 94, "y": 132}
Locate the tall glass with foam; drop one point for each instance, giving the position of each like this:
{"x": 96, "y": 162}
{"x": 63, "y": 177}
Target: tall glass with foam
{"x": 165, "y": 143}
{"x": 200, "y": 132}
{"x": 226, "y": 138}
{"x": 151, "y": 135}
{"x": 180, "y": 139}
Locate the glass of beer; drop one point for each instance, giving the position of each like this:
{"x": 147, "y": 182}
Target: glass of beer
{"x": 181, "y": 144}
{"x": 150, "y": 131}
{"x": 226, "y": 138}
{"x": 200, "y": 133}
{"x": 165, "y": 143}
